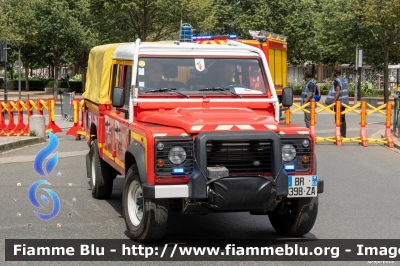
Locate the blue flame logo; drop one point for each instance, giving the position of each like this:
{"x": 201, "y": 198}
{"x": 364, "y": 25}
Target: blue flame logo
{"x": 46, "y": 151}
{"x": 36, "y": 203}
{"x": 50, "y": 165}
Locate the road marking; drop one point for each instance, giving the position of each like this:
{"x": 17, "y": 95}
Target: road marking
{"x": 31, "y": 158}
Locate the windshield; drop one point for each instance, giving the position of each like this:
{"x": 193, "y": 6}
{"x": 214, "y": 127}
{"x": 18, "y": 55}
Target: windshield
{"x": 201, "y": 75}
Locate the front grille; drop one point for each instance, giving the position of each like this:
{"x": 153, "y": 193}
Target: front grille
{"x": 166, "y": 169}
{"x": 241, "y": 157}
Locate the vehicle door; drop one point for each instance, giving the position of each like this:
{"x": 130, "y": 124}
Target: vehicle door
{"x": 118, "y": 119}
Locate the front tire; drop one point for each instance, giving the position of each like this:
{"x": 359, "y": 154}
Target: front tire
{"x": 294, "y": 217}
{"x": 101, "y": 174}
{"x": 146, "y": 219}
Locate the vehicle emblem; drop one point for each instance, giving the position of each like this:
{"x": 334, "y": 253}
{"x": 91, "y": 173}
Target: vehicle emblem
{"x": 256, "y": 163}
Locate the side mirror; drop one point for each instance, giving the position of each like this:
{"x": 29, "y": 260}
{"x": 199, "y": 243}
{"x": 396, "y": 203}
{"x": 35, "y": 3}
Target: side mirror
{"x": 118, "y": 97}
{"x": 287, "y": 97}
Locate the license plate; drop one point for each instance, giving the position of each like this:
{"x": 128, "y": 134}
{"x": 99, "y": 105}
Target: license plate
{"x": 303, "y": 186}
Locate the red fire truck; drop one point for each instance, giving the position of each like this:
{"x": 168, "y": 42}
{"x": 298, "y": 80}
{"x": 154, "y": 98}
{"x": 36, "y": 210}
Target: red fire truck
{"x": 193, "y": 129}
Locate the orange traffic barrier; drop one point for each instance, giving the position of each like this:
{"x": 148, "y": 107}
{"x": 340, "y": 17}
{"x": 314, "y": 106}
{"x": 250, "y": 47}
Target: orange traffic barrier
{"x": 19, "y": 127}
{"x": 312, "y": 119}
{"x": 51, "y": 126}
{"x": 338, "y": 135}
{"x": 22, "y": 129}
{"x": 76, "y": 128}
{"x": 3, "y": 107}
{"x": 363, "y": 123}
{"x": 29, "y": 106}
{"x": 388, "y": 133}
{"x": 337, "y": 138}
{"x": 8, "y": 131}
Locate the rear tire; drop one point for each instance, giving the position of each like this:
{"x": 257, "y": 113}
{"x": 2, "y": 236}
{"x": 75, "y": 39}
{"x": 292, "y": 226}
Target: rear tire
{"x": 295, "y": 219}
{"x": 146, "y": 219}
{"x": 101, "y": 174}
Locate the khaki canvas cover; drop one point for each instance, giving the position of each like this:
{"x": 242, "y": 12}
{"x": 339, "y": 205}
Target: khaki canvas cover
{"x": 99, "y": 73}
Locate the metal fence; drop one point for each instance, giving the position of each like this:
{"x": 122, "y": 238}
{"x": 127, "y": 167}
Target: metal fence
{"x": 67, "y": 110}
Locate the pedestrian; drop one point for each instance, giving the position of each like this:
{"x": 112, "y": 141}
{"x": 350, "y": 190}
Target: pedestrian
{"x": 307, "y": 95}
{"x": 339, "y": 92}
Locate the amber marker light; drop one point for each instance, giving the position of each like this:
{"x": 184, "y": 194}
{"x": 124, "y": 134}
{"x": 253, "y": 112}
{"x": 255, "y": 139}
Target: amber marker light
{"x": 160, "y": 162}
{"x": 305, "y": 159}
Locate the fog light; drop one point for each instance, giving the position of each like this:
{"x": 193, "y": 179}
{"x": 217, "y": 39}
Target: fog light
{"x": 178, "y": 171}
{"x": 306, "y": 143}
{"x": 160, "y": 162}
{"x": 160, "y": 146}
{"x": 305, "y": 159}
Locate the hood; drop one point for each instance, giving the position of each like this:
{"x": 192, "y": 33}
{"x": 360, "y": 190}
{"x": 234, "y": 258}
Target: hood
{"x": 195, "y": 120}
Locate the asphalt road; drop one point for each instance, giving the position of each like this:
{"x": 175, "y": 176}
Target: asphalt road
{"x": 359, "y": 201}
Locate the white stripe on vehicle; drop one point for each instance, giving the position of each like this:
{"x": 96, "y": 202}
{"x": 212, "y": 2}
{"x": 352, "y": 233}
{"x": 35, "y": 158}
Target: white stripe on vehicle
{"x": 160, "y": 135}
{"x": 271, "y": 126}
{"x": 244, "y": 127}
{"x": 224, "y": 127}
{"x": 197, "y": 127}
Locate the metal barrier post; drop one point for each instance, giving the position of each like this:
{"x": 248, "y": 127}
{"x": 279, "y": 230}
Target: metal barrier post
{"x": 363, "y": 123}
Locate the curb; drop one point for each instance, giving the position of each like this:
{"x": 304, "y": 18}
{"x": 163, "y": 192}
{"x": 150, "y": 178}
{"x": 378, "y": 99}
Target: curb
{"x": 20, "y": 143}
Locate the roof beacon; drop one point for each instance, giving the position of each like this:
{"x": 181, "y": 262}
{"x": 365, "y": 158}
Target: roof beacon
{"x": 186, "y": 33}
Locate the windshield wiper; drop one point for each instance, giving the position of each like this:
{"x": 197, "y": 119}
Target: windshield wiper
{"x": 221, "y": 90}
{"x": 168, "y": 90}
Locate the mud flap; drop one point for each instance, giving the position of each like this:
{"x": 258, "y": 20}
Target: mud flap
{"x": 241, "y": 194}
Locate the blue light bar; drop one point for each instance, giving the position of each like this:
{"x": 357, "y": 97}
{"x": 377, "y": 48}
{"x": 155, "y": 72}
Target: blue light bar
{"x": 178, "y": 171}
{"x": 289, "y": 167}
{"x": 233, "y": 36}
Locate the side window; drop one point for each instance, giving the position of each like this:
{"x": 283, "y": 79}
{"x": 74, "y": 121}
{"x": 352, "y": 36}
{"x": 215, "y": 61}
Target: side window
{"x": 122, "y": 76}
{"x": 115, "y": 78}
{"x": 127, "y": 82}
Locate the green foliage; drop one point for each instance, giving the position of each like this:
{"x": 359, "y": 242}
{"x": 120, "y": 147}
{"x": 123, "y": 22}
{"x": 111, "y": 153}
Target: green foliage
{"x": 32, "y": 133}
{"x": 34, "y": 84}
{"x": 77, "y": 77}
{"x": 70, "y": 85}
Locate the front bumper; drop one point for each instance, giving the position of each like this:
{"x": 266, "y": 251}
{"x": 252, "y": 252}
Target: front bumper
{"x": 165, "y": 191}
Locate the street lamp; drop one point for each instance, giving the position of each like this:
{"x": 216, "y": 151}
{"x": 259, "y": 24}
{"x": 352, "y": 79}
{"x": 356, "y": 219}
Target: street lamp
{"x": 4, "y": 48}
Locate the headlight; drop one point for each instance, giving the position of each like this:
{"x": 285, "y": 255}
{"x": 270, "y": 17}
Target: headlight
{"x": 288, "y": 152}
{"x": 177, "y": 155}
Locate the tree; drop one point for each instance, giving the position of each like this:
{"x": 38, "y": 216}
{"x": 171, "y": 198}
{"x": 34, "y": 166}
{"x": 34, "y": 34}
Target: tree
{"x": 382, "y": 18}
{"x": 59, "y": 28}
{"x": 299, "y": 24}
{"x": 232, "y": 16}
{"x": 124, "y": 21}
{"x": 24, "y": 35}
